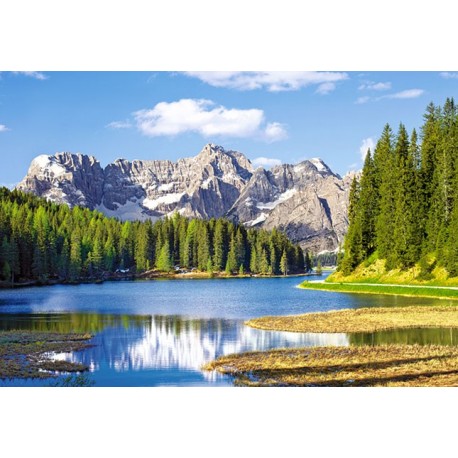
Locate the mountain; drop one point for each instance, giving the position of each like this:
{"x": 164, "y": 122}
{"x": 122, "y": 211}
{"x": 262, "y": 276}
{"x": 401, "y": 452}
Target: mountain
{"x": 307, "y": 201}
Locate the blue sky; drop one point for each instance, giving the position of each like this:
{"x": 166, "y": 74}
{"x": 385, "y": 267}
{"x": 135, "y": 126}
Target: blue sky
{"x": 272, "y": 117}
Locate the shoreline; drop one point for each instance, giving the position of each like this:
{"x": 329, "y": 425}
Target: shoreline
{"x": 431, "y": 292}
{"x": 144, "y": 277}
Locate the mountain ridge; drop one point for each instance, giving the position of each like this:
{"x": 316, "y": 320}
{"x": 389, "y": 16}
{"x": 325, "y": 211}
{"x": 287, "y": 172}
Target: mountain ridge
{"x": 307, "y": 200}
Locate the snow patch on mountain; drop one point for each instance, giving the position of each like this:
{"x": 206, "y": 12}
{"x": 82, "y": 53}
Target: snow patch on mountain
{"x": 280, "y": 199}
{"x": 168, "y": 199}
{"x": 318, "y": 163}
{"x": 130, "y": 211}
{"x": 260, "y": 219}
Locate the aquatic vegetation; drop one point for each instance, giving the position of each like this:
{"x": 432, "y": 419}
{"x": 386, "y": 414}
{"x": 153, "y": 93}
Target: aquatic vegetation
{"x": 362, "y": 320}
{"x": 385, "y": 365}
{"x": 27, "y": 354}
{"x": 73, "y": 380}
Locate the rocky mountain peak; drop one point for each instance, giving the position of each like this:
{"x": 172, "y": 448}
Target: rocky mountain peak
{"x": 212, "y": 148}
{"x": 312, "y": 166}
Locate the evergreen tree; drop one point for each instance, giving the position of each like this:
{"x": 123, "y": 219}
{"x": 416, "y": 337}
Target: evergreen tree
{"x": 203, "y": 250}
{"x": 219, "y": 242}
{"x": 240, "y": 246}
{"x": 402, "y": 252}
{"x": 274, "y": 265}
{"x": 384, "y": 166}
{"x": 417, "y": 228}
{"x": 142, "y": 248}
{"x": 76, "y": 263}
{"x": 353, "y": 240}
{"x": 95, "y": 258}
{"x": 284, "y": 263}
{"x": 109, "y": 255}
{"x": 367, "y": 207}
{"x": 264, "y": 265}
{"x": 253, "y": 260}
{"x": 190, "y": 245}
{"x": 164, "y": 260}
{"x": 64, "y": 260}
{"x": 231, "y": 263}
{"x": 300, "y": 259}
{"x": 126, "y": 245}
{"x": 429, "y": 178}
{"x": 308, "y": 262}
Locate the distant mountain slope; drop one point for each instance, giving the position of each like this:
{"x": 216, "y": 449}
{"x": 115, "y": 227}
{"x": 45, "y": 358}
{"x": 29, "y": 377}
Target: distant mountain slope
{"x": 307, "y": 201}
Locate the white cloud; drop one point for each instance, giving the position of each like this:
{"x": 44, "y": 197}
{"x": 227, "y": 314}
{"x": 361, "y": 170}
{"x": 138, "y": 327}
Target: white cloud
{"x": 275, "y": 131}
{"x": 371, "y": 86}
{"x": 3, "y": 128}
{"x": 265, "y": 162}
{"x": 325, "y": 88}
{"x": 271, "y": 81}
{"x": 119, "y": 125}
{"x": 367, "y": 143}
{"x": 449, "y": 75}
{"x": 36, "y": 75}
{"x": 361, "y": 100}
{"x": 207, "y": 119}
{"x": 407, "y": 94}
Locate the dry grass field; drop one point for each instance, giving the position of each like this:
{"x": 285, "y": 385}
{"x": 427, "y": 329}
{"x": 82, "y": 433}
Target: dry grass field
{"x": 389, "y": 365}
{"x": 362, "y": 320}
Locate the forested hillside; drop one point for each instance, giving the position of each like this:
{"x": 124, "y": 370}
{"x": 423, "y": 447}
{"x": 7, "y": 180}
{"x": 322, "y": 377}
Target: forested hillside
{"x": 41, "y": 240}
{"x": 405, "y": 207}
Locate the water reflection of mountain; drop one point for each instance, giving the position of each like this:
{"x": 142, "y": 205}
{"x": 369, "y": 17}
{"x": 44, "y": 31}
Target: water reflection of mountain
{"x": 174, "y": 342}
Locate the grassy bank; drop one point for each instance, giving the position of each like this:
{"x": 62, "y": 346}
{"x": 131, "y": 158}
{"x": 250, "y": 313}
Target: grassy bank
{"x": 25, "y": 354}
{"x": 373, "y": 271}
{"x": 362, "y": 320}
{"x": 402, "y": 290}
{"x": 391, "y": 365}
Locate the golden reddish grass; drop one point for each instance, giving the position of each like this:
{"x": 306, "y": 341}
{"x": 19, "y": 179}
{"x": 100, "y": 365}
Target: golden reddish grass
{"x": 388, "y": 365}
{"x": 362, "y": 320}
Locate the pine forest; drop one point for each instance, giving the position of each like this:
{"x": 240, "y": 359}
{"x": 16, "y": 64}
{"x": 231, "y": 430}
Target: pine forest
{"x": 43, "y": 241}
{"x": 404, "y": 208}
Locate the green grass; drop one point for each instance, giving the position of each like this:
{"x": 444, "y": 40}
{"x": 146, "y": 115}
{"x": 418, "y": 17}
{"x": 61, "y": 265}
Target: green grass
{"x": 416, "y": 291}
{"x": 373, "y": 270}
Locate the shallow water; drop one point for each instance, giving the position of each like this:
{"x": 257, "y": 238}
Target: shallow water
{"x": 160, "y": 333}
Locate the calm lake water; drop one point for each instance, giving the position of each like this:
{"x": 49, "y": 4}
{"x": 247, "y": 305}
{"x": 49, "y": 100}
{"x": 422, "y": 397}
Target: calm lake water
{"x": 161, "y": 332}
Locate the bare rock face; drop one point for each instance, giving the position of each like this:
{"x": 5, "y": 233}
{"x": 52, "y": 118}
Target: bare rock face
{"x": 73, "y": 179}
{"x": 307, "y": 201}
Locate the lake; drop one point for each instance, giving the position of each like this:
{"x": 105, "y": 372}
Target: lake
{"x": 161, "y": 332}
